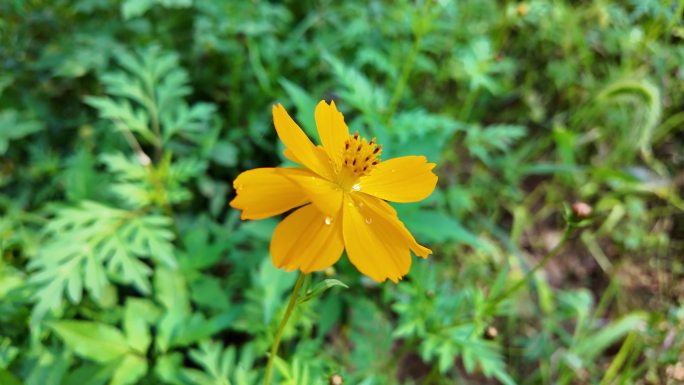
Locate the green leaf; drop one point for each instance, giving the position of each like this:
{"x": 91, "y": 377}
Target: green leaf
{"x": 592, "y": 345}
{"x": 130, "y": 370}
{"x": 168, "y": 368}
{"x": 295, "y": 372}
{"x": 319, "y": 289}
{"x": 14, "y": 125}
{"x": 123, "y": 115}
{"x": 500, "y": 282}
{"x": 483, "y": 142}
{"x": 435, "y": 226}
{"x": 91, "y": 374}
{"x": 224, "y": 153}
{"x": 95, "y": 341}
{"x": 89, "y": 244}
{"x": 270, "y": 286}
{"x": 147, "y": 96}
{"x": 139, "y": 314}
{"x": 135, "y": 8}
{"x": 221, "y": 366}
{"x": 356, "y": 89}
{"x": 6, "y": 378}
{"x": 49, "y": 367}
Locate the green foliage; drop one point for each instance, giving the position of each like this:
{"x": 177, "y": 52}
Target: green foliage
{"x": 13, "y": 126}
{"x": 123, "y": 124}
{"x": 89, "y": 246}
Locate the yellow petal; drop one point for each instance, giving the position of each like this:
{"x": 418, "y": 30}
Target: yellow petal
{"x": 375, "y": 243}
{"x": 325, "y": 195}
{"x": 300, "y": 147}
{"x": 383, "y": 208}
{"x": 307, "y": 240}
{"x": 404, "y": 179}
{"x": 265, "y": 192}
{"x": 331, "y": 129}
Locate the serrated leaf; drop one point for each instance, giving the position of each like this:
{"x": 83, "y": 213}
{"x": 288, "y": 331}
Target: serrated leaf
{"x": 123, "y": 115}
{"x": 14, "y": 125}
{"x": 147, "y": 96}
{"x": 221, "y": 366}
{"x": 90, "y": 244}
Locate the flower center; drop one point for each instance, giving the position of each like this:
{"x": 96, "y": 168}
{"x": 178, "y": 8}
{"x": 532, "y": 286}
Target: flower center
{"x": 360, "y": 156}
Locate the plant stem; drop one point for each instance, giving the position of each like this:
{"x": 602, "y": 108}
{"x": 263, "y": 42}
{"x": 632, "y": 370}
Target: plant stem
{"x": 419, "y": 32}
{"x": 469, "y": 103}
{"x": 569, "y": 230}
{"x": 276, "y": 341}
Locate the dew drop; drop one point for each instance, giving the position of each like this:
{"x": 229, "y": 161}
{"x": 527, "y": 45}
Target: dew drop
{"x": 393, "y": 170}
{"x": 356, "y": 187}
{"x": 328, "y": 220}
{"x": 240, "y": 187}
{"x": 369, "y": 220}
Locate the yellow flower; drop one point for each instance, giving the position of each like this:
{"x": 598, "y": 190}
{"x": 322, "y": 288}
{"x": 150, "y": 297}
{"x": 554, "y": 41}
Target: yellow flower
{"x": 342, "y": 191}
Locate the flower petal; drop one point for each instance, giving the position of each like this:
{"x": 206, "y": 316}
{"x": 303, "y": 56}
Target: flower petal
{"x": 331, "y": 129}
{"x": 404, "y": 179}
{"x": 383, "y": 208}
{"x": 376, "y": 242}
{"x": 265, "y": 192}
{"x": 325, "y": 195}
{"x": 300, "y": 147}
{"x": 307, "y": 240}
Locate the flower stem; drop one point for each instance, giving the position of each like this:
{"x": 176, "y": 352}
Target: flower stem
{"x": 276, "y": 341}
{"x": 569, "y": 230}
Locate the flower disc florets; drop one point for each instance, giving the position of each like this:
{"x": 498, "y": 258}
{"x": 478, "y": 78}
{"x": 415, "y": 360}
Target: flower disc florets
{"x": 361, "y": 156}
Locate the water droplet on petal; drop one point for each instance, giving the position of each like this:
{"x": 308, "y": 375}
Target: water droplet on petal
{"x": 369, "y": 220}
{"x": 393, "y": 170}
{"x": 356, "y": 187}
{"x": 328, "y": 220}
{"x": 240, "y": 187}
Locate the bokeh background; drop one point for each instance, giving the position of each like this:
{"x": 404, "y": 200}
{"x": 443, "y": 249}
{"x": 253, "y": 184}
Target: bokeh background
{"x": 123, "y": 123}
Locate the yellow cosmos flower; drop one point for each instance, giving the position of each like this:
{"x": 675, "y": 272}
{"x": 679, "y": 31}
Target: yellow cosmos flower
{"x": 341, "y": 194}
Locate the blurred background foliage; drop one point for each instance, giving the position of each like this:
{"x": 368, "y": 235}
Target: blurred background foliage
{"x": 123, "y": 123}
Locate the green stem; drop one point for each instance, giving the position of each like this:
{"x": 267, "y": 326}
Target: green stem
{"x": 569, "y": 230}
{"x": 433, "y": 376}
{"x": 276, "y": 341}
{"x": 403, "y": 77}
{"x": 469, "y": 103}
{"x": 420, "y": 31}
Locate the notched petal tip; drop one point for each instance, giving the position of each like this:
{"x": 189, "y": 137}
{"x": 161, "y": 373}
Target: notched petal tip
{"x": 421, "y": 251}
{"x": 265, "y": 192}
